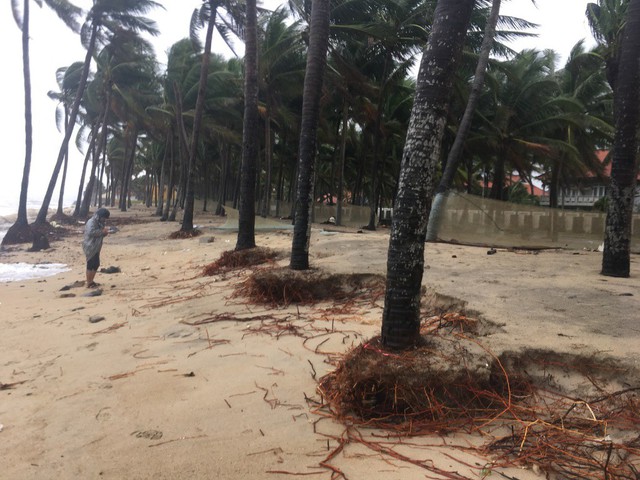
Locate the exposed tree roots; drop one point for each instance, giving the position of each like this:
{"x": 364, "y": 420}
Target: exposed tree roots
{"x": 180, "y": 234}
{"x": 283, "y": 286}
{"x": 519, "y": 402}
{"x": 63, "y": 219}
{"x": 237, "y": 259}
{"x": 17, "y": 234}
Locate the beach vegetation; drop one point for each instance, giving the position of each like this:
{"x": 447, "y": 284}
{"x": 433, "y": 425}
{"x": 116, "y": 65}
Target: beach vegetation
{"x": 135, "y": 120}
{"x": 104, "y": 19}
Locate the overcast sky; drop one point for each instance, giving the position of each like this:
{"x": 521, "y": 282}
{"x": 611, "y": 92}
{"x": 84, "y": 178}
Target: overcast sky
{"x": 52, "y": 46}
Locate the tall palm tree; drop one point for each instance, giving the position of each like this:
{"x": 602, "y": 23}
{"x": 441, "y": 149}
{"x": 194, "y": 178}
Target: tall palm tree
{"x": 226, "y": 17}
{"x": 246, "y": 212}
{"x": 616, "y": 256}
{"x": 20, "y": 232}
{"x": 103, "y": 19}
{"x": 316, "y": 61}
{"x": 206, "y": 15}
{"x": 405, "y": 261}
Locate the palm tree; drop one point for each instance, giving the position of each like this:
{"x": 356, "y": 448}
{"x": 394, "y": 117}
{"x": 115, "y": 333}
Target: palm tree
{"x": 316, "y": 61}
{"x": 405, "y": 261}
{"x": 582, "y": 83}
{"x": 518, "y": 116}
{"x": 231, "y": 20}
{"x": 280, "y": 77}
{"x": 103, "y": 19}
{"x": 246, "y": 212}
{"x": 616, "y": 255}
{"x": 206, "y": 15}
{"x": 455, "y": 153}
{"x": 20, "y": 232}
{"x": 67, "y": 79}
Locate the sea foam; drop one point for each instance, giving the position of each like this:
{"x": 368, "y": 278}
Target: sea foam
{"x": 15, "y": 272}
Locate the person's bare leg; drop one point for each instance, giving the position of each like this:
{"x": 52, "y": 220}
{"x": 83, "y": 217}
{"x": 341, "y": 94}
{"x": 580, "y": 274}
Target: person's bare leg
{"x": 91, "y": 274}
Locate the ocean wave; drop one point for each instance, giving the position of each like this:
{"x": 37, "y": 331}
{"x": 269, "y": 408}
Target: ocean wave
{"x": 15, "y": 272}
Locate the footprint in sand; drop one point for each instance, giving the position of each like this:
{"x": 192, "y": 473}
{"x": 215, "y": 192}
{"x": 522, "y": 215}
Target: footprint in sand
{"x": 103, "y": 415}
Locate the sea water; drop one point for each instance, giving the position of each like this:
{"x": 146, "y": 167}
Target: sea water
{"x": 15, "y": 272}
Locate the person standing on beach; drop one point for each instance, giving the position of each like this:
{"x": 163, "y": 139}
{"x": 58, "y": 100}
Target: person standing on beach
{"x": 94, "y": 233}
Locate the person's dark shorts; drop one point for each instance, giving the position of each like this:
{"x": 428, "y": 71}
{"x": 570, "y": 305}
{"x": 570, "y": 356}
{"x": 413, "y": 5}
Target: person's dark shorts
{"x": 94, "y": 262}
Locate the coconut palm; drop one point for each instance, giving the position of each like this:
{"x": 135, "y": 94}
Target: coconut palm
{"x": 67, "y": 79}
{"x": 517, "y": 117}
{"x": 582, "y": 82}
{"x": 20, "y": 232}
{"x": 280, "y": 77}
{"x": 616, "y": 256}
{"x": 316, "y": 62}
{"x": 246, "y": 212}
{"x": 103, "y": 19}
{"x": 455, "y": 153}
{"x": 227, "y": 18}
{"x": 206, "y": 15}
{"x": 405, "y": 262}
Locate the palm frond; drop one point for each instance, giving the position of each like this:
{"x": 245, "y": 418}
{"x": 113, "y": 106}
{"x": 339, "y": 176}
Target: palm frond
{"x": 69, "y": 13}
{"x": 17, "y": 11}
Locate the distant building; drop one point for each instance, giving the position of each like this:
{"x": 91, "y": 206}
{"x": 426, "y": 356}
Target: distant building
{"x": 586, "y": 191}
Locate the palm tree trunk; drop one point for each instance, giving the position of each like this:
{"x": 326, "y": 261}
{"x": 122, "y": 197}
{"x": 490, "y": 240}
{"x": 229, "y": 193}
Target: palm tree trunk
{"x": 171, "y": 184}
{"x": 455, "y": 154}
{"x": 90, "y": 153}
{"x": 376, "y": 174}
{"x": 405, "y": 261}
{"x": 313, "y": 79}
{"x": 161, "y": 184}
{"x": 187, "y": 219}
{"x": 102, "y": 151}
{"x": 20, "y": 232}
{"x": 268, "y": 154}
{"x": 616, "y": 256}
{"x": 246, "y": 212}
{"x": 44, "y": 209}
{"x": 64, "y": 169}
{"x": 343, "y": 154}
{"x": 130, "y": 160}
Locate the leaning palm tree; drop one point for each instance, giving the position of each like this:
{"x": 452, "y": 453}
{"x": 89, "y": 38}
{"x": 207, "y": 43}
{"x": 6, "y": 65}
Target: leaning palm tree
{"x": 206, "y": 15}
{"x": 316, "y": 62}
{"x": 616, "y": 256}
{"x": 103, "y": 19}
{"x": 228, "y": 20}
{"x": 405, "y": 262}
{"x": 20, "y": 231}
{"x": 455, "y": 153}
{"x": 67, "y": 79}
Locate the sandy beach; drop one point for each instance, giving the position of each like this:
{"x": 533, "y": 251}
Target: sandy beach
{"x": 159, "y": 390}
